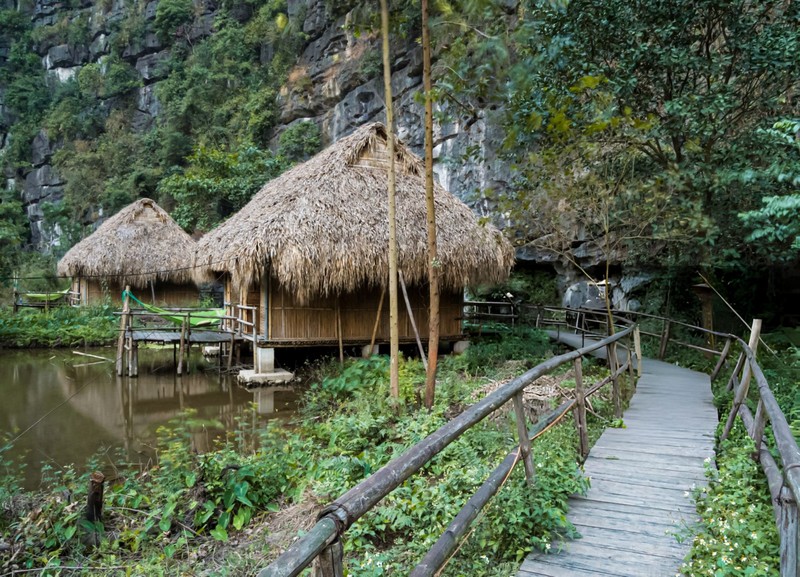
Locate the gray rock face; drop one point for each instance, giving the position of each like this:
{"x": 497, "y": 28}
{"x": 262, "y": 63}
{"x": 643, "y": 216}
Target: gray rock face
{"x": 65, "y": 56}
{"x": 42, "y": 148}
{"x": 150, "y": 44}
{"x": 151, "y": 67}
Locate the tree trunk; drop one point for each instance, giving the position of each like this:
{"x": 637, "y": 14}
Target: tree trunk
{"x": 433, "y": 264}
{"x": 394, "y": 332}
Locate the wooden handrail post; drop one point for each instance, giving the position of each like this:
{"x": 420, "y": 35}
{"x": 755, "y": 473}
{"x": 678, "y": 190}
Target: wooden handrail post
{"x": 637, "y": 345}
{"x": 741, "y": 392}
{"x": 255, "y": 341}
{"x": 787, "y": 528}
{"x": 722, "y": 358}
{"x": 330, "y": 562}
{"x": 524, "y": 441}
{"x": 662, "y": 349}
{"x": 580, "y": 409}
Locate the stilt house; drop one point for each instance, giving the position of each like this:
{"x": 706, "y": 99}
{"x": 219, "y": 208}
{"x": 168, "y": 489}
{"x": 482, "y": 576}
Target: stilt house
{"x": 140, "y": 246}
{"x": 310, "y": 251}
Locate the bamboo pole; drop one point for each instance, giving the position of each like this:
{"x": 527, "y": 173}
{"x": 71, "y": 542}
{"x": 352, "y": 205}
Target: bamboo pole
{"x": 339, "y": 331}
{"x": 411, "y": 319}
{"x": 122, "y": 327}
{"x": 394, "y": 334}
{"x": 433, "y": 264}
{"x": 637, "y": 345}
{"x": 377, "y": 322}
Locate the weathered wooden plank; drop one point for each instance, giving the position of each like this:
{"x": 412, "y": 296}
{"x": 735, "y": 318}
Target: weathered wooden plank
{"x": 640, "y": 479}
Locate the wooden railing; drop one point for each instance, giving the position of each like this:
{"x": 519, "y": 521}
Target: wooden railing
{"x": 323, "y": 541}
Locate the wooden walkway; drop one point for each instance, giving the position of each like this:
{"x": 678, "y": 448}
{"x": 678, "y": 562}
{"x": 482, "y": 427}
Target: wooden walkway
{"x": 641, "y": 480}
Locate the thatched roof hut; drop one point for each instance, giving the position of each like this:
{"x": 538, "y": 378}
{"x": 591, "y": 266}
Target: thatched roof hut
{"x": 322, "y": 227}
{"x": 139, "y": 245}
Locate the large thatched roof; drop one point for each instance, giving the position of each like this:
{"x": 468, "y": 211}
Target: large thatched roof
{"x": 139, "y": 244}
{"x": 323, "y": 226}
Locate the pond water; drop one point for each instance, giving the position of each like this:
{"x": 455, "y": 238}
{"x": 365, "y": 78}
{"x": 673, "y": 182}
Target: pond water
{"x": 67, "y": 407}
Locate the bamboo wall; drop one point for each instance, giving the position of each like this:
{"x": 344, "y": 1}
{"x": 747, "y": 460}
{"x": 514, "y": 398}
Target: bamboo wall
{"x": 317, "y": 321}
{"x": 94, "y": 292}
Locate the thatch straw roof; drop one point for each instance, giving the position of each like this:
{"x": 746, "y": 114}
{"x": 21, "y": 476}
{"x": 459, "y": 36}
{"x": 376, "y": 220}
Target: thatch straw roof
{"x": 323, "y": 226}
{"x": 139, "y": 244}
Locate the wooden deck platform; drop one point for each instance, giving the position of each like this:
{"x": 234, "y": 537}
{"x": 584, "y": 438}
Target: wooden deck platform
{"x": 641, "y": 480}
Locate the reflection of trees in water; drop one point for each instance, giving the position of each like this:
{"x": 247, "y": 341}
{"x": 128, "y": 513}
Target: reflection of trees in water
{"x": 110, "y": 410}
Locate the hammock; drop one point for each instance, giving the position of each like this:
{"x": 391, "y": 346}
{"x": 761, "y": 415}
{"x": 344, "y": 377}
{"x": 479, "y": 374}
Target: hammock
{"x": 44, "y": 297}
{"x": 199, "y": 318}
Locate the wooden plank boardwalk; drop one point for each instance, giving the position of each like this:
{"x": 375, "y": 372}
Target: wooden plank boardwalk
{"x": 641, "y": 479}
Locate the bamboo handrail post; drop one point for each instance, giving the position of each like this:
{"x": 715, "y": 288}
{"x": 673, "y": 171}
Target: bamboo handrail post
{"x": 330, "y": 562}
{"x": 744, "y": 386}
{"x": 787, "y": 528}
{"x": 255, "y": 342}
{"x": 613, "y": 365}
{"x": 580, "y": 409}
{"x": 759, "y": 424}
{"x": 524, "y": 441}
{"x": 662, "y": 349}
{"x": 733, "y": 382}
{"x": 188, "y": 341}
{"x": 637, "y": 345}
{"x": 722, "y": 358}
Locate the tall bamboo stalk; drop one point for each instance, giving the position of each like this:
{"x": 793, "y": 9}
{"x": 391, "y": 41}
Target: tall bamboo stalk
{"x": 394, "y": 332}
{"x": 433, "y": 269}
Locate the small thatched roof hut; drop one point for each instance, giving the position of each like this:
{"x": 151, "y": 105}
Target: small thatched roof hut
{"x": 322, "y": 227}
{"x": 139, "y": 246}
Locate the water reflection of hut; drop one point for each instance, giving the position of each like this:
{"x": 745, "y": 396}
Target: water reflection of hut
{"x": 141, "y": 246}
{"x": 310, "y": 249}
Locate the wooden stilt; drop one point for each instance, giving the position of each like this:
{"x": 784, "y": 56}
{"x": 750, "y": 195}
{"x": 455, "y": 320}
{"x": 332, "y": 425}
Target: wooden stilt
{"x": 230, "y": 351}
{"x": 135, "y": 358}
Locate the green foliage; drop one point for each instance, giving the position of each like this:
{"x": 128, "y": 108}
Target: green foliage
{"x": 300, "y": 141}
{"x": 12, "y": 231}
{"x": 60, "y": 327}
{"x": 520, "y": 343}
{"x": 631, "y": 122}
{"x": 737, "y": 534}
{"x": 218, "y": 183}
{"x": 171, "y": 16}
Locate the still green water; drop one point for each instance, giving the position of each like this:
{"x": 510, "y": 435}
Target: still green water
{"x": 75, "y": 406}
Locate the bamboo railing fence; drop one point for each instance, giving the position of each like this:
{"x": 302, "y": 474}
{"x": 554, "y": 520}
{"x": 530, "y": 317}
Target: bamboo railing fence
{"x": 323, "y": 541}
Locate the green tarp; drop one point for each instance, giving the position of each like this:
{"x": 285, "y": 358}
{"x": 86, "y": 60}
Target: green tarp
{"x": 197, "y": 318}
{"x": 44, "y": 297}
